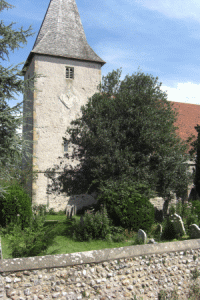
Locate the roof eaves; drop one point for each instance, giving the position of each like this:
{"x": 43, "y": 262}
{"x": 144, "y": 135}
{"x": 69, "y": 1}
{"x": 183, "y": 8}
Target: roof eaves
{"x": 32, "y": 53}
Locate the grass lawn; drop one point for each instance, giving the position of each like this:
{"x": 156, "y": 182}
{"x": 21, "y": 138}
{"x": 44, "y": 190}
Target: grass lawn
{"x": 63, "y": 243}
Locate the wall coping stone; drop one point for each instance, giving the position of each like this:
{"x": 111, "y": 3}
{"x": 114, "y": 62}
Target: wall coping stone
{"x": 95, "y": 256}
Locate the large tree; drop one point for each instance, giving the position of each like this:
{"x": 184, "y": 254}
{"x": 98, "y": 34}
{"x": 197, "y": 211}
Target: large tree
{"x": 126, "y": 132}
{"x": 11, "y": 84}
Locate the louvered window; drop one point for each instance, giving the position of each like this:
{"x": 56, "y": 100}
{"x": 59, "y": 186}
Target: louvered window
{"x": 69, "y": 72}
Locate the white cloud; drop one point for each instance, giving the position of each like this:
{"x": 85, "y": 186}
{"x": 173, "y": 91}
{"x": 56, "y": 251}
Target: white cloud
{"x": 184, "y": 92}
{"x": 174, "y": 9}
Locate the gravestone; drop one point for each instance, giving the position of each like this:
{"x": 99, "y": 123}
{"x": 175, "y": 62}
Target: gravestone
{"x": 194, "y": 231}
{"x": 71, "y": 211}
{"x": 151, "y": 241}
{"x": 178, "y": 224}
{"x": 142, "y": 236}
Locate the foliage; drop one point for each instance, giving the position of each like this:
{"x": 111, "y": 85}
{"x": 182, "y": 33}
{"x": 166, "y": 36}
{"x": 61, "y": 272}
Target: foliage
{"x": 196, "y": 208}
{"x": 189, "y": 216}
{"x": 155, "y": 232}
{"x": 51, "y": 212}
{"x": 39, "y": 210}
{"x": 189, "y": 212}
{"x": 126, "y": 130}
{"x": 93, "y": 226}
{"x": 138, "y": 241}
{"x": 32, "y": 240}
{"x": 11, "y": 84}
{"x": 15, "y": 202}
{"x": 169, "y": 232}
{"x": 43, "y": 211}
{"x": 194, "y": 292}
{"x": 196, "y": 149}
{"x": 195, "y": 274}
{"x": 164, "y": 295}
{"x": 126, "y": 206}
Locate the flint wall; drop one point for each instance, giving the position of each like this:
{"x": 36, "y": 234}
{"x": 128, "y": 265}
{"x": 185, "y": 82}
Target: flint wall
{"x": 99, "y": 271}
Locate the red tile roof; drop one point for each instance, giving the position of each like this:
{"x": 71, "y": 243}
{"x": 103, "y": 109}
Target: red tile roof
{"x": 188, "y": 117}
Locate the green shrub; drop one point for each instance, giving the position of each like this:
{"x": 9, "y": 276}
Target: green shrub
{"x": 138, "y": 241}
{"x": 14, "y": 204}
{"x": 196, "y": 208}
{"x": 51, "y": 212}
{"x": 179, "y": 208}
{"x": 126, "y": 206}
{"x": 61, "y": 213}
{"x": 189, "y": 211}
{"x": 40, "y": 210}
{"x": 189, "y": 215}
{"x": 94, "y": 226}
{"x": 169, "y": 232}
{"x": 172, "y": 210}
{"x": 32, "y": 240}
{"x": 195, "y": 273}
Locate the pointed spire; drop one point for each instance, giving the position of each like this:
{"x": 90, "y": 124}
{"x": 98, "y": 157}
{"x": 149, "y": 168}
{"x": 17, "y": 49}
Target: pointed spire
{"x": 62, "y": 33}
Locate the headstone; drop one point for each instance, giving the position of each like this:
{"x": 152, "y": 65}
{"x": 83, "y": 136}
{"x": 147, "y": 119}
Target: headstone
{"x": 178, "y": 224}
{"x": 142, "y": 236}
{"x": 194, "y": 231}
{"x": 68, "y": 211}
{"x": 71, "y": 211}
{"x": 151, "y": 241}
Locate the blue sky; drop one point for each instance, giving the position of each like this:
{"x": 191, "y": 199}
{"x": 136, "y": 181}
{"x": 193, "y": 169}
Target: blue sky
{"x": 160, "y": 37}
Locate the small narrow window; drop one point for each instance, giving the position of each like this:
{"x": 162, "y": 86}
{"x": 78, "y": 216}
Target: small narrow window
{"x": 69, "y": 72}
{"x": 66, "y": 144}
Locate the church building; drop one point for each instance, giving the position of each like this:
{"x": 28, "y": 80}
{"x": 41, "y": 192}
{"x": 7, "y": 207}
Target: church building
{"x": 70, "y": 72}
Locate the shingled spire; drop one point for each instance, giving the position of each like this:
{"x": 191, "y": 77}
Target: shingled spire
{"x": 62, "y": 33}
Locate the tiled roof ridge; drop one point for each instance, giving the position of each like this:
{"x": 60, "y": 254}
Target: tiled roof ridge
{"x": 176, "y": 102}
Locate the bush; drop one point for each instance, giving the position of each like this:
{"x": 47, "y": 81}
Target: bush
{"x": 127, "y": 207}
{"x": 196, "y": 208}
{"x": 51, "y": 212}
{"x": 14, "y": 204}
{"x": 169, "y": 232}
{"x": 189, "y": 213}
{"x": 32, "y": 240}
{"x": 39, "y": 210}
{"x": 94, "y": 226}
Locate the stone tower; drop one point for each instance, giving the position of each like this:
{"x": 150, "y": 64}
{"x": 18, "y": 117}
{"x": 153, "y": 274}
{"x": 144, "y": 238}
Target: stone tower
{"x": 70, "y": 73}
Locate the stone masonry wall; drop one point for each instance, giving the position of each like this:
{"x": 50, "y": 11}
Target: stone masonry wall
{"x": 56, "y": 101}
{"x": 119, "y": 273}
{"x": 59, "y": 202}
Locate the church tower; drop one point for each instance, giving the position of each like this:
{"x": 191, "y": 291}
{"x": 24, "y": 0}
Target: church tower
{"x": 70, "y": 72}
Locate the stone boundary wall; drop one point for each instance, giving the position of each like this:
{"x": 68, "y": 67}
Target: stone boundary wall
{"x": 102, "y": 274}
{"x": 158, "y": 202}
{"x": 60, "y": 202}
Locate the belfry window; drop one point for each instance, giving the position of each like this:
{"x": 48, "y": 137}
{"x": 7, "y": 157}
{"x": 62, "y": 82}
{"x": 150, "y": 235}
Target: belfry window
{"x": 69, "y": 72}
